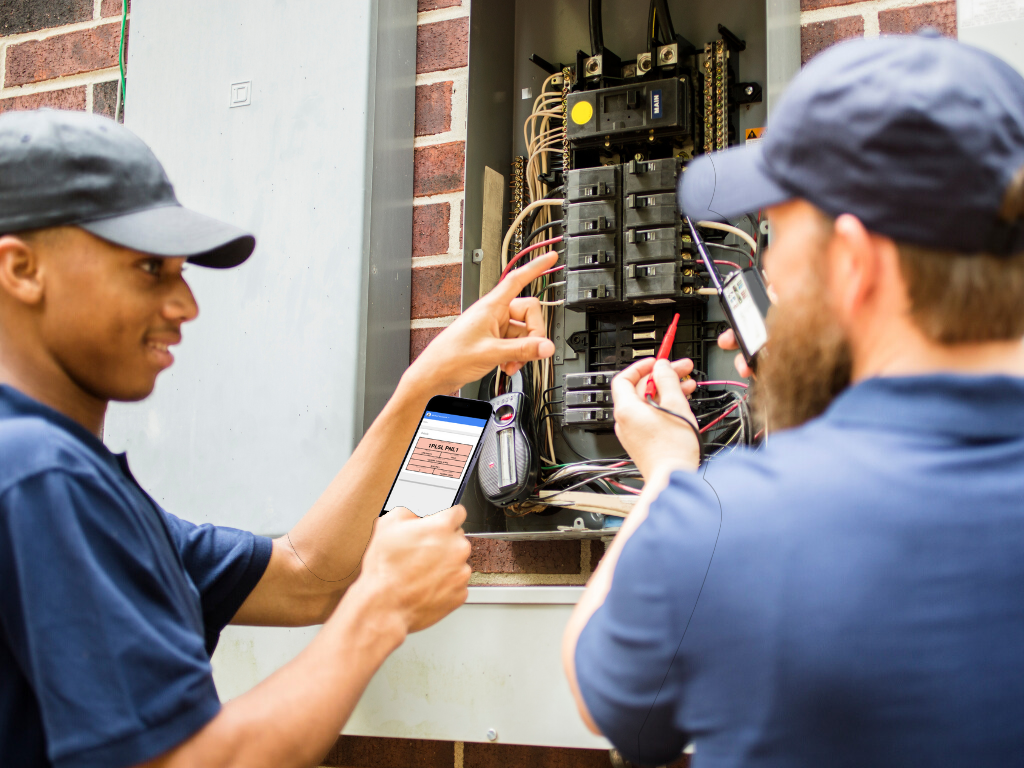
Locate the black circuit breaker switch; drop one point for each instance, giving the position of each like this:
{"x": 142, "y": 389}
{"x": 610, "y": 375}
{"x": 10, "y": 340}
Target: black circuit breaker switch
{"x": 657, "y": 281}
{"x": 591, "y": 287}
{"x": 595, "y": 252}
{"x": 592, "y": 183}
{"x": 662, "y": 244}
{"x": 651, "y": 175}
{"x": 592, "y": 397}
{"x": 662, "y": 106}
{"x": 577, "y": 381}
{"x": 591, "y": 218}
{"x": 652, "y": 210}
{"x": 588, "y": 417}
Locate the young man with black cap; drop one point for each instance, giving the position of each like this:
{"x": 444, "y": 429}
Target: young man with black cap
{"x": 849, "y": 594}
{"x": 110, "y": 607}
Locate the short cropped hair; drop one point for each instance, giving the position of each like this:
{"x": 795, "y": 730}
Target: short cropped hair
{"x": 957, "y": 298}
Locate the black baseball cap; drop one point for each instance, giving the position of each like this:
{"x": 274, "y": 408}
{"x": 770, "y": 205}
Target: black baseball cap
{"x": 62, "y": 168}
{"x": 918, "y": 136}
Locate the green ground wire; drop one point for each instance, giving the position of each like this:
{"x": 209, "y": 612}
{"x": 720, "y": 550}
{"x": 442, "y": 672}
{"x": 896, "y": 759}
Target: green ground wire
{"x": 120, "y": 47}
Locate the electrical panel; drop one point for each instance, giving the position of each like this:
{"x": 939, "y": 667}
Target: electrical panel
{"x": 600, "y": 141}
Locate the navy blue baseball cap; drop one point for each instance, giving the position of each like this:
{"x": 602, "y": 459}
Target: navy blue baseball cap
{"x": 74, "y": 169}
{"x": 920, "y": 137}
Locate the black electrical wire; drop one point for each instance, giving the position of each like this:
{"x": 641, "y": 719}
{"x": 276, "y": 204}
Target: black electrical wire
{"x": 588, "y": 481}
{"x": 652, "y": 29}
{"x": 734, "y": 248}
{"x": 668, "y": 30}
{"x": 690, "y": 424}
{"x": 596, "y": 29}
{"x": 542, "y": 228}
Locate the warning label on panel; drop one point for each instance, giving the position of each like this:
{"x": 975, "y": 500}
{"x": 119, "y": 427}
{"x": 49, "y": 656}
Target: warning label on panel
{"x": 753, "y": 135}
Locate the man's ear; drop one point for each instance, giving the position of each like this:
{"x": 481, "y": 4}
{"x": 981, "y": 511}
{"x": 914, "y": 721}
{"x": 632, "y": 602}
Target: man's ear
{"x": 21, "y": 271}
{"x": 855, "y": 267}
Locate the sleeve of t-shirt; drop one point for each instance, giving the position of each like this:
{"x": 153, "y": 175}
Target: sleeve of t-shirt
{"x": 630, "y": 659}
{"x": 114, "y": 656}
{"x": 225, "y": 564}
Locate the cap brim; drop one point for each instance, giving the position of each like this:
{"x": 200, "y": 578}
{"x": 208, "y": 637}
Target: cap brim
{"x": 727, "y": 184}
{"x": 172, "y": 230}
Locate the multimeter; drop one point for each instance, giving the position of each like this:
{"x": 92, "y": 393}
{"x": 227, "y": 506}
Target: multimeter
{"x": 744, "y": 299}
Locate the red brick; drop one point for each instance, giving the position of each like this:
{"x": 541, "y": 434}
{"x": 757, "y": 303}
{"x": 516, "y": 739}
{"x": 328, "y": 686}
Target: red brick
{"x": 374, "y": 752}
{"x": 66, "y": 98}
{"x": 442, "y": 45}
{"x": 905, "y": 21}
{"x": 552, "y": 557}
{"x": 818, "y": 36}
{"x": 517, "y": 756}
{"x": 430, "y": 229}
{"x": 418, "y": 340}
{"x": 69, "y": 54}
{"x": 439, "y": 169}
{"x": 19, "y": 16}
{"x": 433, "y": 5}
{"x": 813, "y": 5}
{"x": 437, "y": 291}
{"x": 113, "y": 7}
{"x": 104, "y": 100}
{"x": 433, "y": 108}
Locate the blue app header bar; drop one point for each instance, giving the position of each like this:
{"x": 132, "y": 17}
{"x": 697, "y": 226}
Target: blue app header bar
{"x": 451, "y": 418}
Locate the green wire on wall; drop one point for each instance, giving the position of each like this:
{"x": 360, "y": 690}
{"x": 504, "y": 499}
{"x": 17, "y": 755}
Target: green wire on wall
{"x": 120, "y": 58}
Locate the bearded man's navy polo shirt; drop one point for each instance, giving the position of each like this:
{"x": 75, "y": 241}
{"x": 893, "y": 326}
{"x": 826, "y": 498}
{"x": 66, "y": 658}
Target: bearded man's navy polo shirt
{"x": 852, "y": 594}
{"x": 109, "y": 606}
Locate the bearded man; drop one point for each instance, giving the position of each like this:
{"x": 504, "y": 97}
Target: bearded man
{"x": 851, "y": 593}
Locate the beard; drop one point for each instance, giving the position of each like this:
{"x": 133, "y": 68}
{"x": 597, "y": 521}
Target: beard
{"x": 808, "y": 361}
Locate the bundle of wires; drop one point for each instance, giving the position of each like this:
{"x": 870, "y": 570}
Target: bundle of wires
{"x": 723, "y": 416}
{"x": 541, "y": 219}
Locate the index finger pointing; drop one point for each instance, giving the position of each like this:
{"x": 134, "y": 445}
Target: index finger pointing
{"x": 518, "y": 279}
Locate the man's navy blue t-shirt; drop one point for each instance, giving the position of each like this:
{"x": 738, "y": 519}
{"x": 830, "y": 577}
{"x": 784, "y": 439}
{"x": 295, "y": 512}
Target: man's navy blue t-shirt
{"x": 109, "y": 606}
{"x": 850, "y": 595}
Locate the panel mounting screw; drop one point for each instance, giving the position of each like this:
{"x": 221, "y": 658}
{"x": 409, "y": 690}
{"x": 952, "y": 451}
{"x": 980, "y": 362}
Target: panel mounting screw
{"x": 492, "y": 735}
{"x": 749, "y": 90}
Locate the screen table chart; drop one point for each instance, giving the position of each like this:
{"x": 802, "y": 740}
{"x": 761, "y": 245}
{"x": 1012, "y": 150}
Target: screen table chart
{"x": 439, "y": 457}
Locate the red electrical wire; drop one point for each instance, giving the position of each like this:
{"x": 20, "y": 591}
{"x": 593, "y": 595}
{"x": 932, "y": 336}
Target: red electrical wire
{"x": 708, "y": 426}
{"x": 525, "y": 251}
{"x": 624, "y": 487}
{"x": 726, "y": 383}
{"x": 553, "y": 269}
{"x": 732, "y": 264}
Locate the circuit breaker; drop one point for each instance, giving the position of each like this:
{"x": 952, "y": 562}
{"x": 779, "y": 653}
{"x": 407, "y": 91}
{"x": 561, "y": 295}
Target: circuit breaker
{"x": 604, "y": 123}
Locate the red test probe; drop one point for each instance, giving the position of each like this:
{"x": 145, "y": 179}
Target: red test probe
{"x": 663, "y": 352}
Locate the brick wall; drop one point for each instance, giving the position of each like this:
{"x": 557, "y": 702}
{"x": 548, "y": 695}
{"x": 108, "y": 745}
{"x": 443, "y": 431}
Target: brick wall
{"x": 60, "y": 54}
{"x": 442, "y": 76}
{"x": 824, "y": 22}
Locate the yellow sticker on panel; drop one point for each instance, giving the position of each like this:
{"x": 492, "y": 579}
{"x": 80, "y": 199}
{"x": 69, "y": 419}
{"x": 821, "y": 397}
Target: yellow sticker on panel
{"x": 581, "y": 113}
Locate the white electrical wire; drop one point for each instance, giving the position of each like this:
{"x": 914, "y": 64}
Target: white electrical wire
{"x": 519, "y": 220}
{"x": 729, "y": 228}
